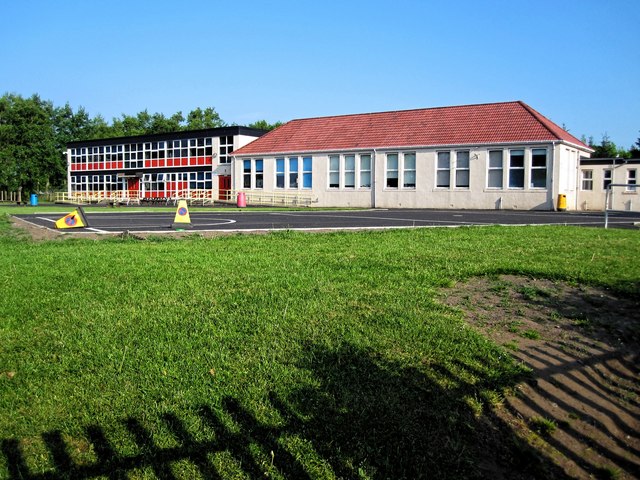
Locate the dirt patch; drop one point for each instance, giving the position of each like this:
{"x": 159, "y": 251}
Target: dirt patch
{"x": 581, "y": 408}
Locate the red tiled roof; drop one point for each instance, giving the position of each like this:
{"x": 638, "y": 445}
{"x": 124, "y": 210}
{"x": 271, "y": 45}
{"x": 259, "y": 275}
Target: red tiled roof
{"x": 492, "y": 123}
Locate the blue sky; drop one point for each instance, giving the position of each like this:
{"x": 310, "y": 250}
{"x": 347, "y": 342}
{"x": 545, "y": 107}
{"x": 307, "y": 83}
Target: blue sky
{"x": 577, "y": 62}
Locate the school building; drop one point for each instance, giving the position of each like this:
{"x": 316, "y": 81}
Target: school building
{"x": 187, "y": 164}
{"x": 488, "y": 156}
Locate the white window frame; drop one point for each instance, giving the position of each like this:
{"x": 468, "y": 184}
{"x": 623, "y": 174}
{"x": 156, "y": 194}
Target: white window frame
{"x": 586, "y": 180}
{"x": 404, "y": 170}
{"x": 536, "y": 168}
{"x": 440, "y": 169}
{"x": 516, "y": 169}
{"x": 607, "y": 178}
{"x": 632, "y": 179}
{"x": 499, "y": 169}
{"x": 288, "y": 173}
{"x": 341, "y": 172}
{"x": 460, "y": 170}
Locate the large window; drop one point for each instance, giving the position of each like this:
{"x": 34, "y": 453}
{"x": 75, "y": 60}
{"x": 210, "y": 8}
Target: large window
{"x": 392, "y": 170}
{"x": 226, "y": 147}
{"x": 443, "y": 170}
{"x": 307, "y": 172}
{"x": 409, "y": 170}
{"x": 632, "y": 179}
{"x": 350, "y": 170}
{"x": 246, "y": 174}
{"x": 293, "y": 172}
{"x": 494, "y": 179}
{"x": 334, "y": 171}
{"x": 462, "y": 169}
{"x": 279, "y": 172}
{"x": 587, "y": 180}
{"x": 253, "y": 173}
{"x": 290, "y": 170}
{"x": 516, "y": 169}
{"x": 539, "y": 168}
{"x": 606, "y": 178}
{"x": 365, "y": 171}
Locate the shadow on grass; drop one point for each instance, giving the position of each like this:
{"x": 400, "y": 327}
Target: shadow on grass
{"x": 365, "y": 418}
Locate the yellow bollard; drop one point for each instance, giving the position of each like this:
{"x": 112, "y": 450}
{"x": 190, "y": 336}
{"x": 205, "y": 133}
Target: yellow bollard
{"x": 562, "y": 202}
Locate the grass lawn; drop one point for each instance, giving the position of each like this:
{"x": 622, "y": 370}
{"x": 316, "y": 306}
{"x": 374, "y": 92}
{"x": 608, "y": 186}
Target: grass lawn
{"x": 287, "y": 355}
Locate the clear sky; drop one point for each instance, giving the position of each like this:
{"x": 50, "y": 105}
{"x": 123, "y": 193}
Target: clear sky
{"x": 575, "y": 61}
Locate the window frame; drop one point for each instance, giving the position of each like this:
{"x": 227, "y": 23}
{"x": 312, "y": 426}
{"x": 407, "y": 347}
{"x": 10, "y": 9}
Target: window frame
{"x": 586, "y": 178}
{"x": 441, "y": 170}
{"x": 516, "y": 169}
{"x": 632, "y": 179}
{"x": 492, "y": 169}
{"x": 460, "y": 170}
{"x": 533, "y": 168}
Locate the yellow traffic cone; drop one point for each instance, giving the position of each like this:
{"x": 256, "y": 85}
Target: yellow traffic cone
{"x": 182, "y": 219}
{"x": 75, "y": 219}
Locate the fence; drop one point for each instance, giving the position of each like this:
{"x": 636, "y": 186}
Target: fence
{"x": 12, "y": 197}
{"x": 193, "y": 197}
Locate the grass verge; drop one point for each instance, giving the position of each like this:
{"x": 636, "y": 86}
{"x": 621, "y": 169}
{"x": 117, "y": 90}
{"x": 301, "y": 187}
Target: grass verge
{"x": 287, "y": 355}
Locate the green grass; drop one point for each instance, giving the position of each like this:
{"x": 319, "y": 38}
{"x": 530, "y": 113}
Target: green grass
{"x": 287, "y": 355}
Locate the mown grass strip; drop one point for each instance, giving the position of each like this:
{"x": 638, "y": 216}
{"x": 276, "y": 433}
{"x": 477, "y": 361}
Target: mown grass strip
{"x": 284, "y": 354}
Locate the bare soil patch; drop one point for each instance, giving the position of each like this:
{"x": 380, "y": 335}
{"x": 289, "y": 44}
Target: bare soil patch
{"x": 581, "y": 407}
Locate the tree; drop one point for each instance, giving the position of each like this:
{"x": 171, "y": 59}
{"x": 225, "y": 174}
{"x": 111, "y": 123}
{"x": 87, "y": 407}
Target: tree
{"x": 634, "y": 151}
{"x": 606, "y": 149}
{"x": 264, "y": 125}
{"x": 30, "y": 157}
{"x": 208, "y": 118}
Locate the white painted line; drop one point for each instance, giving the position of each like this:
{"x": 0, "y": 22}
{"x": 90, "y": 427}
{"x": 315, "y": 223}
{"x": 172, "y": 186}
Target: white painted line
{"x": 46, "y": 219}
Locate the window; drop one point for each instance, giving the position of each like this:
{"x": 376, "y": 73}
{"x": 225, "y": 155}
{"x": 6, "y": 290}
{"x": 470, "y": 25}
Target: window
{"x": 587, "y": 179}
{"x": 226, "y": 147}
{"x": 349, "y": 171}
{"x": 539, "y": 168}
{"x": 293, "y": 172}
{"x": 334, "y": 171}
{"x": 365, "y": 171}
{"x": 289, "y": 173}
{"x": 632, "y": 179}
{"x": 253, "y": 173}
{"x": 345, "y": 171}
{"x": 246, "y": 174}
{"x": 462, "y": 169}
{"x": 307, "y": 172}
{"x": 495, "y": 169}
{"x": 392, "y": 170}
{"x": 516, "y": 169}
{"x": 259, "y": 173}
{"x": 443, "y": 172}
{"x": 409, "y": 170}
{"x": 606, "y": 178}
{"x": 279, "y": 172}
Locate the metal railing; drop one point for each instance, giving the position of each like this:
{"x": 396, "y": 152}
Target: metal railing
{"x": 193, "y": 197}
{"x": 609, "y": 203}
{"x": 275, "y": 199}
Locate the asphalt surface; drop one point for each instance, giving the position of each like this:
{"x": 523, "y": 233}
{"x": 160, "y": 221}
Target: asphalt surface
{"x": 247, "y": 220}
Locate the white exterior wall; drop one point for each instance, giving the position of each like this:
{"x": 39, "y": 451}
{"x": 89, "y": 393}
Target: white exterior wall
{"x": 561, "y": 177}
{"x": 622, "y": 198}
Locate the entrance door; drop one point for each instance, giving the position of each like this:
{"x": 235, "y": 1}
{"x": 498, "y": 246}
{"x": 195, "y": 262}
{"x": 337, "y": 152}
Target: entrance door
{"x": 224, "y": 187}
{"x": 133, "y": 187}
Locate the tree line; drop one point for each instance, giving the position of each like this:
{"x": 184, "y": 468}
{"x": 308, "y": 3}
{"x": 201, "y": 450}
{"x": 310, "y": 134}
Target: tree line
{"x": 34, "y": 134}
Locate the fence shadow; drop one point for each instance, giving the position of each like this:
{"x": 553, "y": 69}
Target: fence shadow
{"x": 366, "y": 416}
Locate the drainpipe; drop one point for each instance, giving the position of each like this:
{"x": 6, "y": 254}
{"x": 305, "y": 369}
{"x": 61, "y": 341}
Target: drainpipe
{"x": 373, "y": 178}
